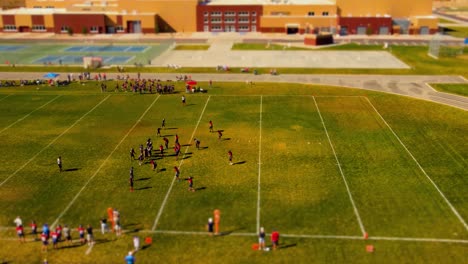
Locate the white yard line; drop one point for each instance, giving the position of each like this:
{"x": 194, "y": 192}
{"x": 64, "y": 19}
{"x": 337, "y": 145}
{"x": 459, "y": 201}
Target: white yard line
{"x": 90, "y": 248}
{"x": 3, "y": 98}
{"x": 356, "y": 212}
{"x": 22, "y": 118}
{"x": 156, "y": 220}
{"x": 259, "y": 164}
{"x": 416, "y": 239}
{"x": 421, "y": 168}
{"x": 53, "y": 141}
{"x": 103, "y": 163}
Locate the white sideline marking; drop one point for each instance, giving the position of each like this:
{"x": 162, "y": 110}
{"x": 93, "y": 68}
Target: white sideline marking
{"x": 52, "y": 142}
{"x": 89, "y": 249}
{"x": 259, "y": 164}
{"x": 103, "y": 163}
{"x": 421, "y": 168}
{"x": 341, "y": 171}
{"x": 24, "y": 117}
{"x": 415, "y": 239}
{"x": 156, "y": 220}
{"x": 3, "y": 98}
{"x": 463, "y": 78}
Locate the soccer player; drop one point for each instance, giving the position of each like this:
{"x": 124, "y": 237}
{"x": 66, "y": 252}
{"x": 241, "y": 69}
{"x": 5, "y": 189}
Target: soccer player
{"x": 140, "y": 159}
{"x": 177, "y": 151}
{"x": 190, "y": 181}
{"x": 210, "y": 226}
{"x": 58, "y": 230}
{"x": 183, "y": 100}
{"x": 18, "y": 221}
{"x": 131, "y": 172}
{"x": 67, "y": 234}
{"x": 177, "y": 172}
{"x": 161, "y": 150}
{"x": 163, "y": 124}
{"x": 176, "y": 139}
{"x": 130, "y": 259}
{"x": 154, "y": 165}
{"x": 45, "y": 241}
{"x": 211, "y": 126}
{"x": 166, "y": 142}
{"x": 220, "y": 134}
{"x": 159, "y": 132}
{"x": 261, "y": 239}
{"x": 132, "y": 154}
{"x": 131, "y": 183}
{"x": 34, "y": 229}
{"x": 59, "y": 163}
{"x": 20, "y": 233}
{"x": 46, "y": 230}
{"x": 197, "y": 143}
{"x": 54, "y": 236}
{"x": 275, "y": 239}
{"x": 103, "y": 225}
{"x": 230, "y": 157}
{"x": 81, "y": 232}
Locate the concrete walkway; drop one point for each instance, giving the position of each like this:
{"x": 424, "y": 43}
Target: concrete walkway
{"x": 415, "y": 86}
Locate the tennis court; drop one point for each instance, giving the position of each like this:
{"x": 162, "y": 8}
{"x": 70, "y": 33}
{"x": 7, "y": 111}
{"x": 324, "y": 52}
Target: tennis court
{"x": 108, "y": 48}
{"x": 11, "y": 47}
{"x": 71, "y": 59}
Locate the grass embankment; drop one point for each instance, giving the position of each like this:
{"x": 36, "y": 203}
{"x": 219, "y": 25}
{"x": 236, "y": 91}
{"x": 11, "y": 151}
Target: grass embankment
{"x": 458, "y": 32}
{"x": 459, "y": 89}
{"x": 191, "y": 47}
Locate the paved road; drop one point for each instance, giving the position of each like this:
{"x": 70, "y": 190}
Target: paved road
{"x": 407, "y": 85}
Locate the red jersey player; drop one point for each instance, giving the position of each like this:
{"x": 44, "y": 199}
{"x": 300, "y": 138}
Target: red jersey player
{"x": 211, "y": 126}
{"x": 230, "y": 157}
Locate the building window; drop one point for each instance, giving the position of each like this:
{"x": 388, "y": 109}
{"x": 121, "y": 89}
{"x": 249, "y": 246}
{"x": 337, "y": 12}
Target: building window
{"x": 216, "y": 28}
{"x": 324, "y": 13}
{"x": 216, "y": 20}
{"x": 243, "y": 13}
{"x": 94, "y": 29}
{"x": 280, "y": 13}
{"x": 50, "y": 7}
{"x": 230, "y": 13}
{"x": 205, "y": 14}
{"x": 64, "y": 29}
{"x": 206, "y": 20}
{"x": 119, "y": 29}
{"x": 244, "y": 20}
{"x": 254, "y": 20}
{"x": 37, "y": 7}
{"x": 229, "y": 20}
{"x": 9, "y": 28}
{"x": 38, "y": 28}
{"x": 243, "y": 28}
{"x": 217, "y": 13}
{"x": 254, "y": 13}
{"x": 311, "y": 13}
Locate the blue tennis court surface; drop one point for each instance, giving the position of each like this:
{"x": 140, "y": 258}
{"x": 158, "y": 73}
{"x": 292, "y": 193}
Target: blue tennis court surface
{"x": 11, "y": 48}
{"x": 79, "y": 59}
{"x": 106, "y": 49}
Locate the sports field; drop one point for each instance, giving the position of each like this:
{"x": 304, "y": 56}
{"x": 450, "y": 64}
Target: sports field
{"x": 321, "y": 165}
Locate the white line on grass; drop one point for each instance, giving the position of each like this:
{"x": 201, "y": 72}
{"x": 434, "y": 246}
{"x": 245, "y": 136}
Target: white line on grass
{"x": 103, "y": 163}
{"x": 53, "y": 141}
{"x": 24, "y": 117}
{"x": 259, "y": 164}
{"x": 89, "y": 249}
{"x": 156, "y": 220}
{"x": 341, "y": 171}
{"x": 3, "y": 98}
{"x": 421, "y": 168}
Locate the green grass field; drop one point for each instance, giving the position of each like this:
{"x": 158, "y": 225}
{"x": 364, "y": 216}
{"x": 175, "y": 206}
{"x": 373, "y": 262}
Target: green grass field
{"x": 191, "y": 47}
{"x": 321, "y": 185}
{"x": 460, "y": 89}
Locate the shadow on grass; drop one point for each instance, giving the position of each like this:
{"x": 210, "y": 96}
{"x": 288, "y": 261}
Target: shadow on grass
{"x": 200, "y": 188}
{"x": 167, "y": 135}
{"x": 240, "y": 162}
{"x": 72, "y": 169}
{"x": 186, "y": 157}
{"x": 202, "y": 148}
{"x": 143, "y": 188}
{"x": 228, "y": 232}
{"x": 287, "y": 246}
{"x": 224, "y": 139}
{"x": 170, "y": 128}
{"x": 143, "y": 179}
{"x": 161, "y": 170}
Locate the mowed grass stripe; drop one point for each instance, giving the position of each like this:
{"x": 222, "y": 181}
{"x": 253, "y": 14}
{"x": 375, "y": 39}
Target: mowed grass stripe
{"x": 40, "y": 190}
{"x": 230, "y": 188}
{"x": 20, "y": 142}
{"x": 394, "y": 197}
{"x": 110, "y": 187}
{"x": 18, "y": 106}
{"x": 28, "y": 114}
{"x": 5, "y": 97}
{"x": 302, "y": 190}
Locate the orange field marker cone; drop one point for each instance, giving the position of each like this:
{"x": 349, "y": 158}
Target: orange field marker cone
{"x": 366, "y": 236}
{"x": 370, "y": 248}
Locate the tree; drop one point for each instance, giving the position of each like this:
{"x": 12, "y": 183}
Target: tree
{"x": 84, "y": 30}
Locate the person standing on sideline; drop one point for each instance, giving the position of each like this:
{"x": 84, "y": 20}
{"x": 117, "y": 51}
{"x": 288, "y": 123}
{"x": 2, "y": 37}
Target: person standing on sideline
{"x": 163, "y": 123}
{"x": 220, "y": 134}
{"x": 104, "y": 227}
{"x": 81, "y": 232}
{"x": 261, "y": 239}
{"x": 210, "y": 226}
{"x": 59, "y": 163}
{"x": 177, "y": 173}
{"x": 275, "y": 239}
{"x": 130, "y": 259}
{"x": 230, "y": 157}
{"x": 211, "y": 126}
{"x": 89, "y": 235}
{"x": 183, "y": 100}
